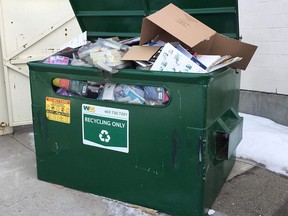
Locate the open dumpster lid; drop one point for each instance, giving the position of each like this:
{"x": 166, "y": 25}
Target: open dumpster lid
{"x": 123, "y": 18}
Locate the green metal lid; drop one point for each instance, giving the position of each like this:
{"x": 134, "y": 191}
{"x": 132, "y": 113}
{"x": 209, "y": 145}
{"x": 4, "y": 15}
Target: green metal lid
{"x": 123, "y": 18}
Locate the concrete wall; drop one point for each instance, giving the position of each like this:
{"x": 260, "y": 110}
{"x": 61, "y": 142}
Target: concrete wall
{"x": 272, "y": 106}
{"x": 265, "y": 82}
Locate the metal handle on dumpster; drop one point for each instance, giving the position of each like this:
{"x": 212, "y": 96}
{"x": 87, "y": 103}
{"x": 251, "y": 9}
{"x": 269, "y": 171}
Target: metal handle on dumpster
{"x": 228, "y": 134}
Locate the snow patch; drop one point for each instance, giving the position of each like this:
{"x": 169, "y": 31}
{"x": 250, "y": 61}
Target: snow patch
{"x": 265, "y": 142}
{"x": 122, "y": 209}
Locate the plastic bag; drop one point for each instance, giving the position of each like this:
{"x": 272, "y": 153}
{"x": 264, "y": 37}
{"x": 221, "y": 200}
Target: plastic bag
{"x": 104, "y": 54}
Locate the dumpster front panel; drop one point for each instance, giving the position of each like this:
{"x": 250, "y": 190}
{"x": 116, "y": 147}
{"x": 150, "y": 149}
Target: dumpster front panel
{"x": 163, "y": 166}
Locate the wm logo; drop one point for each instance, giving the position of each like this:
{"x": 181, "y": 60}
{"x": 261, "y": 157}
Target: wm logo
{"x": 89, "y": 108}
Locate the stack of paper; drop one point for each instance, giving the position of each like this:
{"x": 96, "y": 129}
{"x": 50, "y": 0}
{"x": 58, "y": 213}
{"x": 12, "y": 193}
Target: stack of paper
{"x": 171, "y": 59}
{"x": 180, "y": 60}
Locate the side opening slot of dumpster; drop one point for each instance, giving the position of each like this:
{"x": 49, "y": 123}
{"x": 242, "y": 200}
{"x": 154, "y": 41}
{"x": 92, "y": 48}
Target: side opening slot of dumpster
{"x": 143, "y": 94}
{"x": 228, "y": 134}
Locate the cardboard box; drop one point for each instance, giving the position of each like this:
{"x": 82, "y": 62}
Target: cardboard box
{"x": 172, "y": 24}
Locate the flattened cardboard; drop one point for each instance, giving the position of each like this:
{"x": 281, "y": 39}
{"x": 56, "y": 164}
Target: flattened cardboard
{"x": 140, "y": 53}
{"x": 234, "y": 48}
{"x": 171, "y": 22}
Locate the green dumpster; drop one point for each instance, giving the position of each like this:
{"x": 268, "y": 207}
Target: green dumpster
{"x": 174, "y": 157}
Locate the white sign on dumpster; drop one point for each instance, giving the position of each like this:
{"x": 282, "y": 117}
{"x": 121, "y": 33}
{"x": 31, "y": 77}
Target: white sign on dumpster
{"x": 105, "y": 127}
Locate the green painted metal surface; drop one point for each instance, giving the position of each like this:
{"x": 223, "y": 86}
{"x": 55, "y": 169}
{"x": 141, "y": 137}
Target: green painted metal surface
{"x": 172, "y": 164}
{"x": 176, "y": 157}
{"x": 124, "y": 18}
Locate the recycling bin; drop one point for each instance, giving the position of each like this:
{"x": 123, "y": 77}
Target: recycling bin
{"x": 174, "y": 157}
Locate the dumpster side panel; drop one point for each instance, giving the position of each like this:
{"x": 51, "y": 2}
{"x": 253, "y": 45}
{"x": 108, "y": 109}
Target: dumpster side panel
{"x": 223, "y": 94}
{"x": 224, "y": 132}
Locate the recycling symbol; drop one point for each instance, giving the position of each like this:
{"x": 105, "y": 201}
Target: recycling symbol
{"x": 104, "y": 136}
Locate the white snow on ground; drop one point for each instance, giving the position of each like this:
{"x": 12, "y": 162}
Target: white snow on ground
{"x": 265, "y": 142}
{"x": 124, "y": 209}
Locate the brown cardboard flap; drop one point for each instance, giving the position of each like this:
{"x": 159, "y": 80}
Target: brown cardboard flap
{"x": 140, "y": 53}
{"x": 227, "y": 46}
{"x": 176, "y": 22}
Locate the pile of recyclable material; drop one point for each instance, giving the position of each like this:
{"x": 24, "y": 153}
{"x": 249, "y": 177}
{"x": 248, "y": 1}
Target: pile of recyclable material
{"x": 135, "y": 94}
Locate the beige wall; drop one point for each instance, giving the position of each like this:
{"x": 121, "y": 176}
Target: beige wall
{"x": 265, "y": 24}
